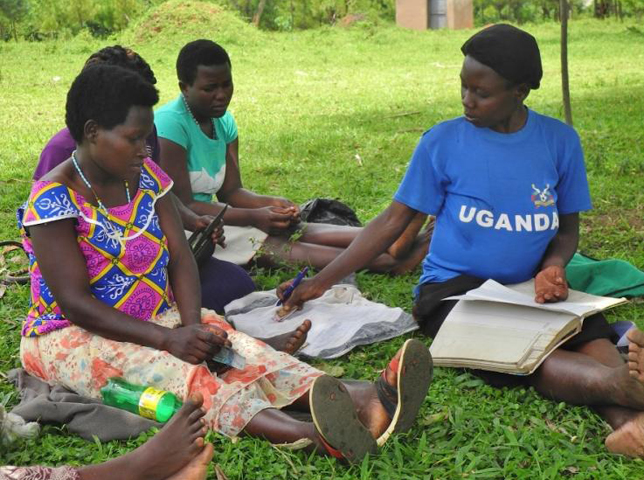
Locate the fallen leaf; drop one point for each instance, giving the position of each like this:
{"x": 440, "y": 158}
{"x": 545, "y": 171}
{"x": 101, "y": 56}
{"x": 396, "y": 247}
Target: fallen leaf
{"x": 220, "y": 473}
{"x": 333, "y": 370}
{"x": 296, "y": 445}
{"x": 3, "y": 289}
{"x": 434, "y": 418}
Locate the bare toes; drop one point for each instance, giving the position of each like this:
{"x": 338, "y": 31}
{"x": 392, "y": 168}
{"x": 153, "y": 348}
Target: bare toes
{"x": 636, "y": 336}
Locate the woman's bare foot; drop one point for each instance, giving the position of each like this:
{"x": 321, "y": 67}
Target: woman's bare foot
{"x": 628, "y": 439}
{"x": 404, "y": 243}
{"x": 636, "y": 354}
{"x": 198, "y": 466}
{"x": 629, "y": 378}
{"x": 373, "y": 415}
{"x": 173, "y": 448}
{"x": 397, "y": 396}
{"x": 416, "y": 254}
{"x": 290, "y": 342}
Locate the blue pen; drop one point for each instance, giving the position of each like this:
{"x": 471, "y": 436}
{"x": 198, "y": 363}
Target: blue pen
{"x": 298, "y": 279}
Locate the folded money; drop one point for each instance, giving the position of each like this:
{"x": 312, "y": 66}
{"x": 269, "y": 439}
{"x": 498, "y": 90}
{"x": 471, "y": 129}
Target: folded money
{"x": 230, "y": 357}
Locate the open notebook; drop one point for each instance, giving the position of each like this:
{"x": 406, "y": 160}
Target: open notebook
{"x": 502, "y": 329}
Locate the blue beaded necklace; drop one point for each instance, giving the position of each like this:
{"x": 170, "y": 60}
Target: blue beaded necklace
{"x": 89, "y": 185}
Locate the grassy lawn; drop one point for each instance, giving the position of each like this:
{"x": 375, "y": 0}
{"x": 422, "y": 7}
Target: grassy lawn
{"x": 307, "y": 103}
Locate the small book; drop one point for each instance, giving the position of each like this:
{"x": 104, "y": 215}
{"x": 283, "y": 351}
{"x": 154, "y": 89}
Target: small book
{"x": 502, "y": 329}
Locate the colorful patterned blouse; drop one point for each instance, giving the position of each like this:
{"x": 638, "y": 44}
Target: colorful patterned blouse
{"x": 126, "y": 252}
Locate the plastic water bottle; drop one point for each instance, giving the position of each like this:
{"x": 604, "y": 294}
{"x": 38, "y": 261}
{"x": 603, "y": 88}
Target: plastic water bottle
{"x": 149, "y": 402}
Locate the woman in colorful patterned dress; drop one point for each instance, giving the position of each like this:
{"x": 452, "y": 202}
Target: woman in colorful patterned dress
{"x": 117, "y": 295}
{"x": 221, "y": 281}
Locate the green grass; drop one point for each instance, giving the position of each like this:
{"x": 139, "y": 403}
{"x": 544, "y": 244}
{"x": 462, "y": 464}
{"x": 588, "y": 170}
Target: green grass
{"x": 306, "y": 104}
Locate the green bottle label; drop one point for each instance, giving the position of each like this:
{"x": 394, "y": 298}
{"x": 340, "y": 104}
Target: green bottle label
{"x": 149, "y": 401}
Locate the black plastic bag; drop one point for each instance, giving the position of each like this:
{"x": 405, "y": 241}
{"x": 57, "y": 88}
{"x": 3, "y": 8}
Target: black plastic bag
{"x": 327, "y": 210}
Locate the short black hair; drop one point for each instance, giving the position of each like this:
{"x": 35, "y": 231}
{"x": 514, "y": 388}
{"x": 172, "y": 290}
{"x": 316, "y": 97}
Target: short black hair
{"x": 123, "y": 57}
{"x": 199, "y": 52}
{"x": 105, "y": 94}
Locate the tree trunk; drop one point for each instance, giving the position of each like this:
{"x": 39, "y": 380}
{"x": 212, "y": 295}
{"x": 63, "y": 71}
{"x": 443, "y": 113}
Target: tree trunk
{"x": 565, "y": 84}
{"x": 258, "y": 14}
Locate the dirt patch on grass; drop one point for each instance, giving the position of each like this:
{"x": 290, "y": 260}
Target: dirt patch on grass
{"x": 619, "y": 219}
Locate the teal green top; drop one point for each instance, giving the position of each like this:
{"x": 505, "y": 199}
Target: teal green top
{"x": 206, "y": 156}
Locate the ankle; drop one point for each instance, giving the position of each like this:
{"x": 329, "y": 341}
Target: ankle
{"x": 126, "y": 467}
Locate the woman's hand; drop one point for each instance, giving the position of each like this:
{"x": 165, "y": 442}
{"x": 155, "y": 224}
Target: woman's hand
{"x": 272, "y": 220}
{"x": 550, "y": 285}
{"x": 196, "y": 343}
{"x": 305, "y": 291}
{"x": 218, "y": 237}
{"x": 286, "y": 206}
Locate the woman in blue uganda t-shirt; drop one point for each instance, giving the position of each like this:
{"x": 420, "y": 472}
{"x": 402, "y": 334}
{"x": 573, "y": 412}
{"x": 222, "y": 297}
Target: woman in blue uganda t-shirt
{"x": 506, "y": 185}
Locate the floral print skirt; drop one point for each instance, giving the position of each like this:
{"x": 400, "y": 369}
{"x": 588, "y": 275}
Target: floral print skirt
{"x": 38, "y": 473}
{"x": 82, "y": 361}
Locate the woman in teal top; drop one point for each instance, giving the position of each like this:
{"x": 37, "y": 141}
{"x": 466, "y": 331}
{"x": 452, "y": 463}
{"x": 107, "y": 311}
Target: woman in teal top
{"x": 199, "y": 149}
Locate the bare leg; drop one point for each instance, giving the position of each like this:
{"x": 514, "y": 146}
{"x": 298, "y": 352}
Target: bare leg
{"x": 579, "y": 378}
{"x": 179, "y": 443}
{"x": 596, "y": 375}
{"x": 278, "y": 427}
{"x": 607, "y": 354}
{"x": 319, "y": 256}
{"x": 628, "y": 438}
{"x": 416, "y": 253}
{"x": 290, "y": 342}
{"x": 400, "y": 248}
{"x": 339, "y": 236}
{"x": 368, "y": 407}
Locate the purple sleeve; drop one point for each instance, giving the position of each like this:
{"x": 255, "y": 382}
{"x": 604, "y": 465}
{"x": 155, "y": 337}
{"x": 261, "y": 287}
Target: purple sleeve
{"x": 58, "y": 149}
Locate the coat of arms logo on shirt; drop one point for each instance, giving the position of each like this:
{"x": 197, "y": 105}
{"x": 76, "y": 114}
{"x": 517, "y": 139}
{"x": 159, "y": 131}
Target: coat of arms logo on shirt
{"x": 542, "y": 198}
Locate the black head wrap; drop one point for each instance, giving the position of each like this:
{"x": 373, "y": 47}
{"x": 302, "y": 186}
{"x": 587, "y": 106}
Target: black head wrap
{"x": 509, "y": 51}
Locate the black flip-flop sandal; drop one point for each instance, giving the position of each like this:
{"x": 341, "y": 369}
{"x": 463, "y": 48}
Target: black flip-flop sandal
{"x": 335, "y": 418}
{"x": 414, "y": 371}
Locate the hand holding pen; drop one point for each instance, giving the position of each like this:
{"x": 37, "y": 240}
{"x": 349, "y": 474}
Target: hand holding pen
{"x": 289, "y": 290}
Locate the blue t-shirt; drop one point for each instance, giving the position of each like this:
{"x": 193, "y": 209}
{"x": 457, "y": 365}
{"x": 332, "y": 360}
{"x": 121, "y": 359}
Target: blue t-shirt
{"x": 496, "y": 197}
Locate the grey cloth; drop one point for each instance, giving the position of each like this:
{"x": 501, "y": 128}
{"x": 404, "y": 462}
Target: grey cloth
{"x": 84, "y": 416}
{"x": 341, "y": 319}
